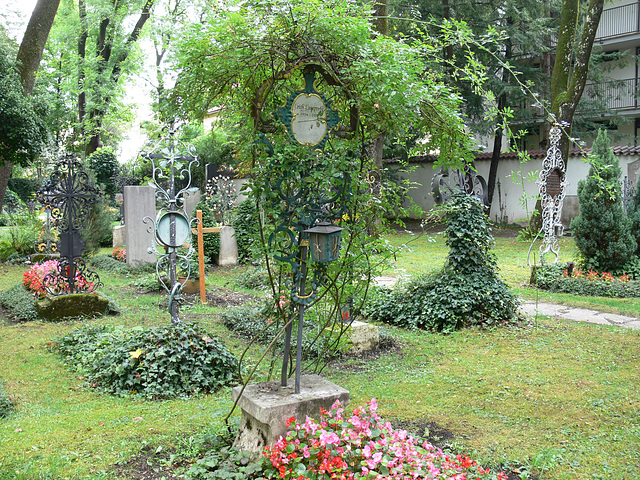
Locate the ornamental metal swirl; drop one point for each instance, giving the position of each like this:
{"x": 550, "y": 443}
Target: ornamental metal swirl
{"x": 552, "y": 183}
{"x": 446, "y": 183}
{"x": 171, "y": 158}
{"x": 70, "y": 198}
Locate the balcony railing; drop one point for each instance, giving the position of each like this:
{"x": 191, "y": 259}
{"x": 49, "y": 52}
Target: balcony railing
{"x": 616, "y": 94}
{"x": 621, "y": 20}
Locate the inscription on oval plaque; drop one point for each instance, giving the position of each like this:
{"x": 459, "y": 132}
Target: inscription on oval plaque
{"x": 554, "y": 183}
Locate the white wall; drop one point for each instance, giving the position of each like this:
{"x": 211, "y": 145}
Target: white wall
{"x": 510, "y": 197}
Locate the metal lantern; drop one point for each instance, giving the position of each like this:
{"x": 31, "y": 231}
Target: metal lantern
{"x": 324, "y": 242}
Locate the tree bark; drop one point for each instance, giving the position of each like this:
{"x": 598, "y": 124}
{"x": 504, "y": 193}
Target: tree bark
{"x": 29, "y": 56}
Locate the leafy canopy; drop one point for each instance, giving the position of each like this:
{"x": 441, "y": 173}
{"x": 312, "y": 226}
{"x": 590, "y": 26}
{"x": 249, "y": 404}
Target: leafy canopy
{"x": 230, "y": 63}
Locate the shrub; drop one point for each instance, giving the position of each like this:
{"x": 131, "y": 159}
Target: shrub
{"x": 109, "y": 264}
{"x": 554, "y": 278}
{"x": 104, "y": 164}
{"x": 19, "y": 241}
{"x": 467, "y": 291}
{"x": 245, "y": 222}
{"x": 97, "y": 231}
{"x": 254, "y": 278}
{"x": 602, "y": 230}
{"x": 162, "y": 362}
{"x": 6, "y": 405}
{"x": 211, "y": 241}
{"x": 12, "y": 203}
{"x": 25, "y": 188}
{"x": 358, "y": 446}
{"x": 19, "y": 303}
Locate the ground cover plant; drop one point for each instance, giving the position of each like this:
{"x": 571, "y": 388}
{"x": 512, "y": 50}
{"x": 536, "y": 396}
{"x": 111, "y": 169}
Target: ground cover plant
{"x": 549, "y": 398}
{"x": 558, "y": 278}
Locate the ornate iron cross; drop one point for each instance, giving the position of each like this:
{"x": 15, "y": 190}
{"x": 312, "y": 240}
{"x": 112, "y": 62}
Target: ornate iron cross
{"x": 71, "y": 198}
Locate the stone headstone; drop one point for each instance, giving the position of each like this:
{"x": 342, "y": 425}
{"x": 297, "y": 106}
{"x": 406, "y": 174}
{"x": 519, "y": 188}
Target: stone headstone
{"x": 191, "y": 200}
{"x": 228, "y": 247}
{"x": 139, "y": 202}
{"x": 119, "y": 239}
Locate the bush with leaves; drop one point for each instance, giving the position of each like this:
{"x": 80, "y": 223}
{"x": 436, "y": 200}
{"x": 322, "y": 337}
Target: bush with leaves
{"x": 602, "y": 230}
{"x": 104, "y": 164}
{"x": 97, "y": 231}
{"x": 19, "y": 240}
{"x": 109, "y": 264}
{"x": 555, "y": 278}
{"x": 245, "y": 222}
{"x": 468, "y": 290}
{"x": 163, "y": 362}
{"x": 19, "y": 303}
{"x": 254, "y": 279}
{"x": 211, "y": 241}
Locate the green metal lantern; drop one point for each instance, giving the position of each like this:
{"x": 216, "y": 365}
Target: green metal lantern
{"x": 324, "y": 242}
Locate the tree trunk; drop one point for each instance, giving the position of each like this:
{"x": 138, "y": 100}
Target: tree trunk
{"x": 29, "y": 56}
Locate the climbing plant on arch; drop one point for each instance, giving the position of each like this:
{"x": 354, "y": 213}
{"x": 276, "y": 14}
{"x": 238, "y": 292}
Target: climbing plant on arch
{"x": 252, "y": 62}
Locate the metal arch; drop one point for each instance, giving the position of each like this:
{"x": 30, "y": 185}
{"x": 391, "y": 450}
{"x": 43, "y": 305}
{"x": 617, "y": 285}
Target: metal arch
{"x": 552, "y": 184}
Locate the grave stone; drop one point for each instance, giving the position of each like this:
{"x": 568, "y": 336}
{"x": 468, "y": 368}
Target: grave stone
{"x": 140, "y": 202}
{"x": 228, "y": 246}
{"x": 119, "y": 239}
{"x": 192, "y": 198}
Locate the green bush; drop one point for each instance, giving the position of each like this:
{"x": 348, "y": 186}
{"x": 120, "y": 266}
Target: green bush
{"x": 25, "y": 188}
{"x": 551, "y": 278}
{"x": 6, "y": 405}
{"x": 109, "y": 264}
{"x": 467, "y": 291}
{"x": 254, "y": 278}
{"x": 602, "y": 230}
{"x": 19, "y": 240}
{"x": 211, "y": 241}
{"x": 97, "y": 231}
{"x": 19, "y": 303}
{"x": 245, "y": 222}
{"x": 162, "y": 362}
{"x": 104, "y": 164}
{"x": 12, "y": 203}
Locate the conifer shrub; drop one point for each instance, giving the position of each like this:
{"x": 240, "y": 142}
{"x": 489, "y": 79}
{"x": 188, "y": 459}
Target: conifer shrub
{"x": 602, "y": 230}
{"x": 245, "y": 223}
{"x": 163, "y": 362}
{"x": 466, "y": 292}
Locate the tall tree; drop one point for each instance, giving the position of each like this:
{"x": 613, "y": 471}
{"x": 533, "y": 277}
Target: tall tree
{"x": 28, "y": 60}
{"x": 103, "y": 48}
{"x": 571, "y": 66}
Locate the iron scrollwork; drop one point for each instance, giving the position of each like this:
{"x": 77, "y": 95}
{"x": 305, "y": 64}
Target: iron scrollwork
{"x": 447, "y": 182}
{"x": 171, "y": 158}
{"x": 69, "y": 197}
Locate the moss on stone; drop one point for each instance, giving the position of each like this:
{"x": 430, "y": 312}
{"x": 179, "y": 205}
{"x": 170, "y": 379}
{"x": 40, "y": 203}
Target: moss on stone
{"x": 72, "y": 306}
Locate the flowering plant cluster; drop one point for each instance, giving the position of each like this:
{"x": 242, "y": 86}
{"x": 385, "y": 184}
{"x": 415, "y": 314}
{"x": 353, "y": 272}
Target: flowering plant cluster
{"x": 360, "y": 446}
{"x": 592, "y": 275}
{"x": 33, "y": 279}
{"x": 119, "y": 254}
{"x": 221, "y": 195}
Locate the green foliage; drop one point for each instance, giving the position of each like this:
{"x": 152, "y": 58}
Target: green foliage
{"x": 104, "y": 164}
{"x": 551, "y": 278}
{"x": 228, "y": 463}
{"x": 109, "y": 264}
{"x": 163, "y": 362}
{"x": 602, "y": 230}
{"x": 215, "y": 148}
{"x": 97, "y": 231}
{"x": 20, "y": 239}
{"x": 19, "y": 303}
{"x": 468, "y": 290}
{"x": 245, "y": 222}
{"x": 633, "y": 212}
{"x": 210, "y": 241}
{"x": 22, "y": 130}
{"x": 12, "y": 204}
{"x": 254, "y": 278}
{"x": 25, "y": 188}
{"x": 6, "y": 405}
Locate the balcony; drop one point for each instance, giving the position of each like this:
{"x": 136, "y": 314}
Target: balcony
{"x": 617, "y": 21}
{"x": 616, "y": 94}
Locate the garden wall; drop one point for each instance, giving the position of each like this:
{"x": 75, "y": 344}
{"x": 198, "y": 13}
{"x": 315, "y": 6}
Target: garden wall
{"x": 508, "y": 202}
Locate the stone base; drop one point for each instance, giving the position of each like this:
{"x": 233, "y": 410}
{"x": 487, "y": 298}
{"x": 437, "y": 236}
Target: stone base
{"x": 266, "y": 407}
{"x": 363, "y": 336}
{"x": 228, "y": 255}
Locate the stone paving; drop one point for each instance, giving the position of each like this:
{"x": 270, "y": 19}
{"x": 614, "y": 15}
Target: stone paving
{"x": 577, "y": 314}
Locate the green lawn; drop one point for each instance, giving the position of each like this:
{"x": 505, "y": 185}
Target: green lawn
{"x": 559, "y": 399}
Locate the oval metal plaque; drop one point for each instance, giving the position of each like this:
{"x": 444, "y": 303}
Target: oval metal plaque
{"x": 182, "y": 229}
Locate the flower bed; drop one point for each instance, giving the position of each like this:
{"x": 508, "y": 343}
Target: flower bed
{"x": 360, "y": 446}
{"x": 557, "y": 278}
{"x": 34, "y": 278}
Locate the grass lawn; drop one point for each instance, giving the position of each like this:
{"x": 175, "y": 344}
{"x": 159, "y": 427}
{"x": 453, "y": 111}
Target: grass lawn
{"x": 555, "y": 399}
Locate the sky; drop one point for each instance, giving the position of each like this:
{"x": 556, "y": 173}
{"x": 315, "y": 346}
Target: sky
{"x": 15, "y": 14}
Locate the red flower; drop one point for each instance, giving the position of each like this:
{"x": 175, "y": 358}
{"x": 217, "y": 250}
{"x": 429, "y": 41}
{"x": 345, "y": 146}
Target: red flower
{"x": 290, "y": 421}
